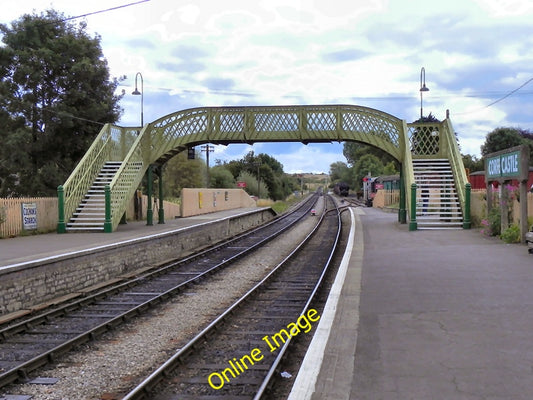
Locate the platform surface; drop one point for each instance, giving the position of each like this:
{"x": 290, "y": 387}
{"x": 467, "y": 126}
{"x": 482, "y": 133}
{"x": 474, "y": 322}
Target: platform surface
{"x": 33, "y": 247}
{"x": 426, "y": 315}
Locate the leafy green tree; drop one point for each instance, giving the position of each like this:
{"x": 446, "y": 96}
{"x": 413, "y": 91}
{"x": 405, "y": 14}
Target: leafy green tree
{"x": 55, "y": 95}
{"x": 355, "y": 150}
{"x": 368, "y": 163}
{"x": 473, "y": 163}
{"x": 391, "y": 169}
{"x": 252, "y": 186}
{"x": 180, "y": 173}
{"x": 503, "y": 138}
{"x": 221, "y": 177}
{"x": 340, "y": 172}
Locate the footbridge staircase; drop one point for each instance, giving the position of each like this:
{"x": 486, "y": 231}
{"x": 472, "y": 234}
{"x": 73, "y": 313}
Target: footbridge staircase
{"x": 96, "y": 195}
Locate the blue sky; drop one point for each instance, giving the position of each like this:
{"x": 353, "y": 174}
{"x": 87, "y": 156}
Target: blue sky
{"x": 280, "y": 52}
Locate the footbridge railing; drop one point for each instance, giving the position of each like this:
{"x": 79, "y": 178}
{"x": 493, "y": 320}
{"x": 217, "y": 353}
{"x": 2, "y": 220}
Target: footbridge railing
{"x": 438, "y": 140}
{"x": 160, "y": 140}
{"x": 111, "y": 144}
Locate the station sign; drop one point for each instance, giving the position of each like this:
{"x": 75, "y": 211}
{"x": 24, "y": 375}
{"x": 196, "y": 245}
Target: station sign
{"x": 29, "y": 216}
{"x": 507, "y": 164}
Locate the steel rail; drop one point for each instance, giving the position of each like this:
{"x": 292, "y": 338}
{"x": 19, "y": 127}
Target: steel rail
{"x": 142, "y": 391}
{"x": 21, "y": 371}
{"x": 270, "y": 374}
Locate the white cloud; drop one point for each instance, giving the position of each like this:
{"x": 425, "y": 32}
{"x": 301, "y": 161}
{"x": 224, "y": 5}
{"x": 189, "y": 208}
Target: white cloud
{"x": 268, "y": 52}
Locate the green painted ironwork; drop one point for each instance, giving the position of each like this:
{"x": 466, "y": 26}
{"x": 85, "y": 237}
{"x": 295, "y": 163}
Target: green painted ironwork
{"x": 412, "y": 220}
{"x": 61, "y": 226}
{"x": 149, "y": 191}
{"x": 466, "y": 219}
{"x": 108, "y": 227}
{"x": 159, "y": 141}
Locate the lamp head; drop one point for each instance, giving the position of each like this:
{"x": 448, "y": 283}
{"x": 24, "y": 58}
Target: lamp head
{"x": 137, "y": 93}
{"x": 424, "y": 88}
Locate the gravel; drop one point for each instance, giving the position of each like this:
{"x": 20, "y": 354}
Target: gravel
{"x": 113, "y": 364}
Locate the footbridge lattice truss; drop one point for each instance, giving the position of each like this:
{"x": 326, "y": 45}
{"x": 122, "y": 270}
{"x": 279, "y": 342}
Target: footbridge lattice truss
{"x": 138, "y": 148}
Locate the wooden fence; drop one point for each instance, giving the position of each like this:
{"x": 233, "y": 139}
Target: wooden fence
{"x": 386, "y": 198}
{"x": 27, "y": 214}
{"x": 40, "y": 214}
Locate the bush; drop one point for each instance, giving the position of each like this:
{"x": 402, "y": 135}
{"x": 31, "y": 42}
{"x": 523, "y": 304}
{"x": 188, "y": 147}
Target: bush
{"x": 495, "y": 221}
{"x": 511, "y": 234}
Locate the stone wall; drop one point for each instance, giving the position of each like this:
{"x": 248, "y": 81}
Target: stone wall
{"x": 25, "y": 286}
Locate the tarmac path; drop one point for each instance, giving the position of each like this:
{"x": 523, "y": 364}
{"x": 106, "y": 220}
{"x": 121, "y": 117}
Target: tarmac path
{"x": 443, "y": 315}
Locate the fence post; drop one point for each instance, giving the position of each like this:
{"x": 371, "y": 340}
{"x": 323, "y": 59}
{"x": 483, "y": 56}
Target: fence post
{"x": 108, "y": 226}
{"x": 61, "y": 227}
{"x": 412, "y": 222}
{"x": 466, "y": 220}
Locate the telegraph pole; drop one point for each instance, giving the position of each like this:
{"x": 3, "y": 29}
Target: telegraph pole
{"x": 208, "y": 149}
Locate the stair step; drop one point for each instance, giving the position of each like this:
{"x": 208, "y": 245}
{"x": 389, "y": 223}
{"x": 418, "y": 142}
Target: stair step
{"x": 72, "y": 225}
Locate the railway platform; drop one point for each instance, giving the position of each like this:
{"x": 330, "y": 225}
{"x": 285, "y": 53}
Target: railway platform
{"x": 442, "y": 314}
{"x": 34, "y": 247}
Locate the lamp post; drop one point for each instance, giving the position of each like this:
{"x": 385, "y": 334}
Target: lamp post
{"x": 141, "y": 93}
{"x": 423, "y": 88}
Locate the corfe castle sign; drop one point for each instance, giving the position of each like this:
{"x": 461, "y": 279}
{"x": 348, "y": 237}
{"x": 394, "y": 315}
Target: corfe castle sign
{"x": 504, "y": 165}
{"x": 508, "y": 164}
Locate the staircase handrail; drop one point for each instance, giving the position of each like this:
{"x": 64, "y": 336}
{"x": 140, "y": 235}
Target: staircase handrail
{"x": 407, "y": 167}
{"x": 456, "y": 161}
{"x": 79, "y": 182}
{"x": 129, "y": 175}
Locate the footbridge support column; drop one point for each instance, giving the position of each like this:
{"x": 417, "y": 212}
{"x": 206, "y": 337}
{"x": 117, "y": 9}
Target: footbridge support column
{"x": 161, "y": 211}
{"x": 149, "y": 190}
{"x": 402, "y": 211}
{"x": 412, "y": 223}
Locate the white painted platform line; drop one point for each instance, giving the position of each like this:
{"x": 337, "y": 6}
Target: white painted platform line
{"x": 304, "y": 385}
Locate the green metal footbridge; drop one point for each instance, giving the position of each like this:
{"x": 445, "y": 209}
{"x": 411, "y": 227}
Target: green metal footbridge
{"x": 434, "y": 191}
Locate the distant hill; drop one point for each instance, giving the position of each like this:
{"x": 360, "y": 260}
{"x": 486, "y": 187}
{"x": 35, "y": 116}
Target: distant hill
{"x": 313, "y": 181}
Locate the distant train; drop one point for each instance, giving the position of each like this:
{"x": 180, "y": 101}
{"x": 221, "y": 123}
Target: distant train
{"x": 341, "y": 189}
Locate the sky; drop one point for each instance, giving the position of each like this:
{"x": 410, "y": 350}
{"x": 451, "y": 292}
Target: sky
{"x": 475, "y": 55}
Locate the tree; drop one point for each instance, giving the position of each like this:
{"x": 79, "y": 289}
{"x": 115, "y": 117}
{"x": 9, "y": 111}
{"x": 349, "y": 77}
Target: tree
{"x": 252, "y": 186}
{"x": 340, "y": 172}
{"x": 180, "y": 173}
{"x": 354, "y": 150}
{"x": 473, "y": 163}
{"x": 55, "y": 95}
{"x": 369, "y": 163}
{"x": 504, "y": 138}
{"x": 221, "y": 177}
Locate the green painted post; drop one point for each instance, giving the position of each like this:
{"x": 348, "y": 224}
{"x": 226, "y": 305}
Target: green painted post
{"x": 466, "y": 220}
{"x": 402, "y": 211}
{"x": 149, "y": 209}
{"x": 108, "y": 226}
{"x": 412, "y": 223}
{"x": 161, "y": 209}
{"x": 61, "y": 226}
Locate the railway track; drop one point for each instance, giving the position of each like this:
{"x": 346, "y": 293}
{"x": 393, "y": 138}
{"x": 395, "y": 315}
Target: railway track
{"x": 35, "y": 342}
{"x": 237, "y": 355}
